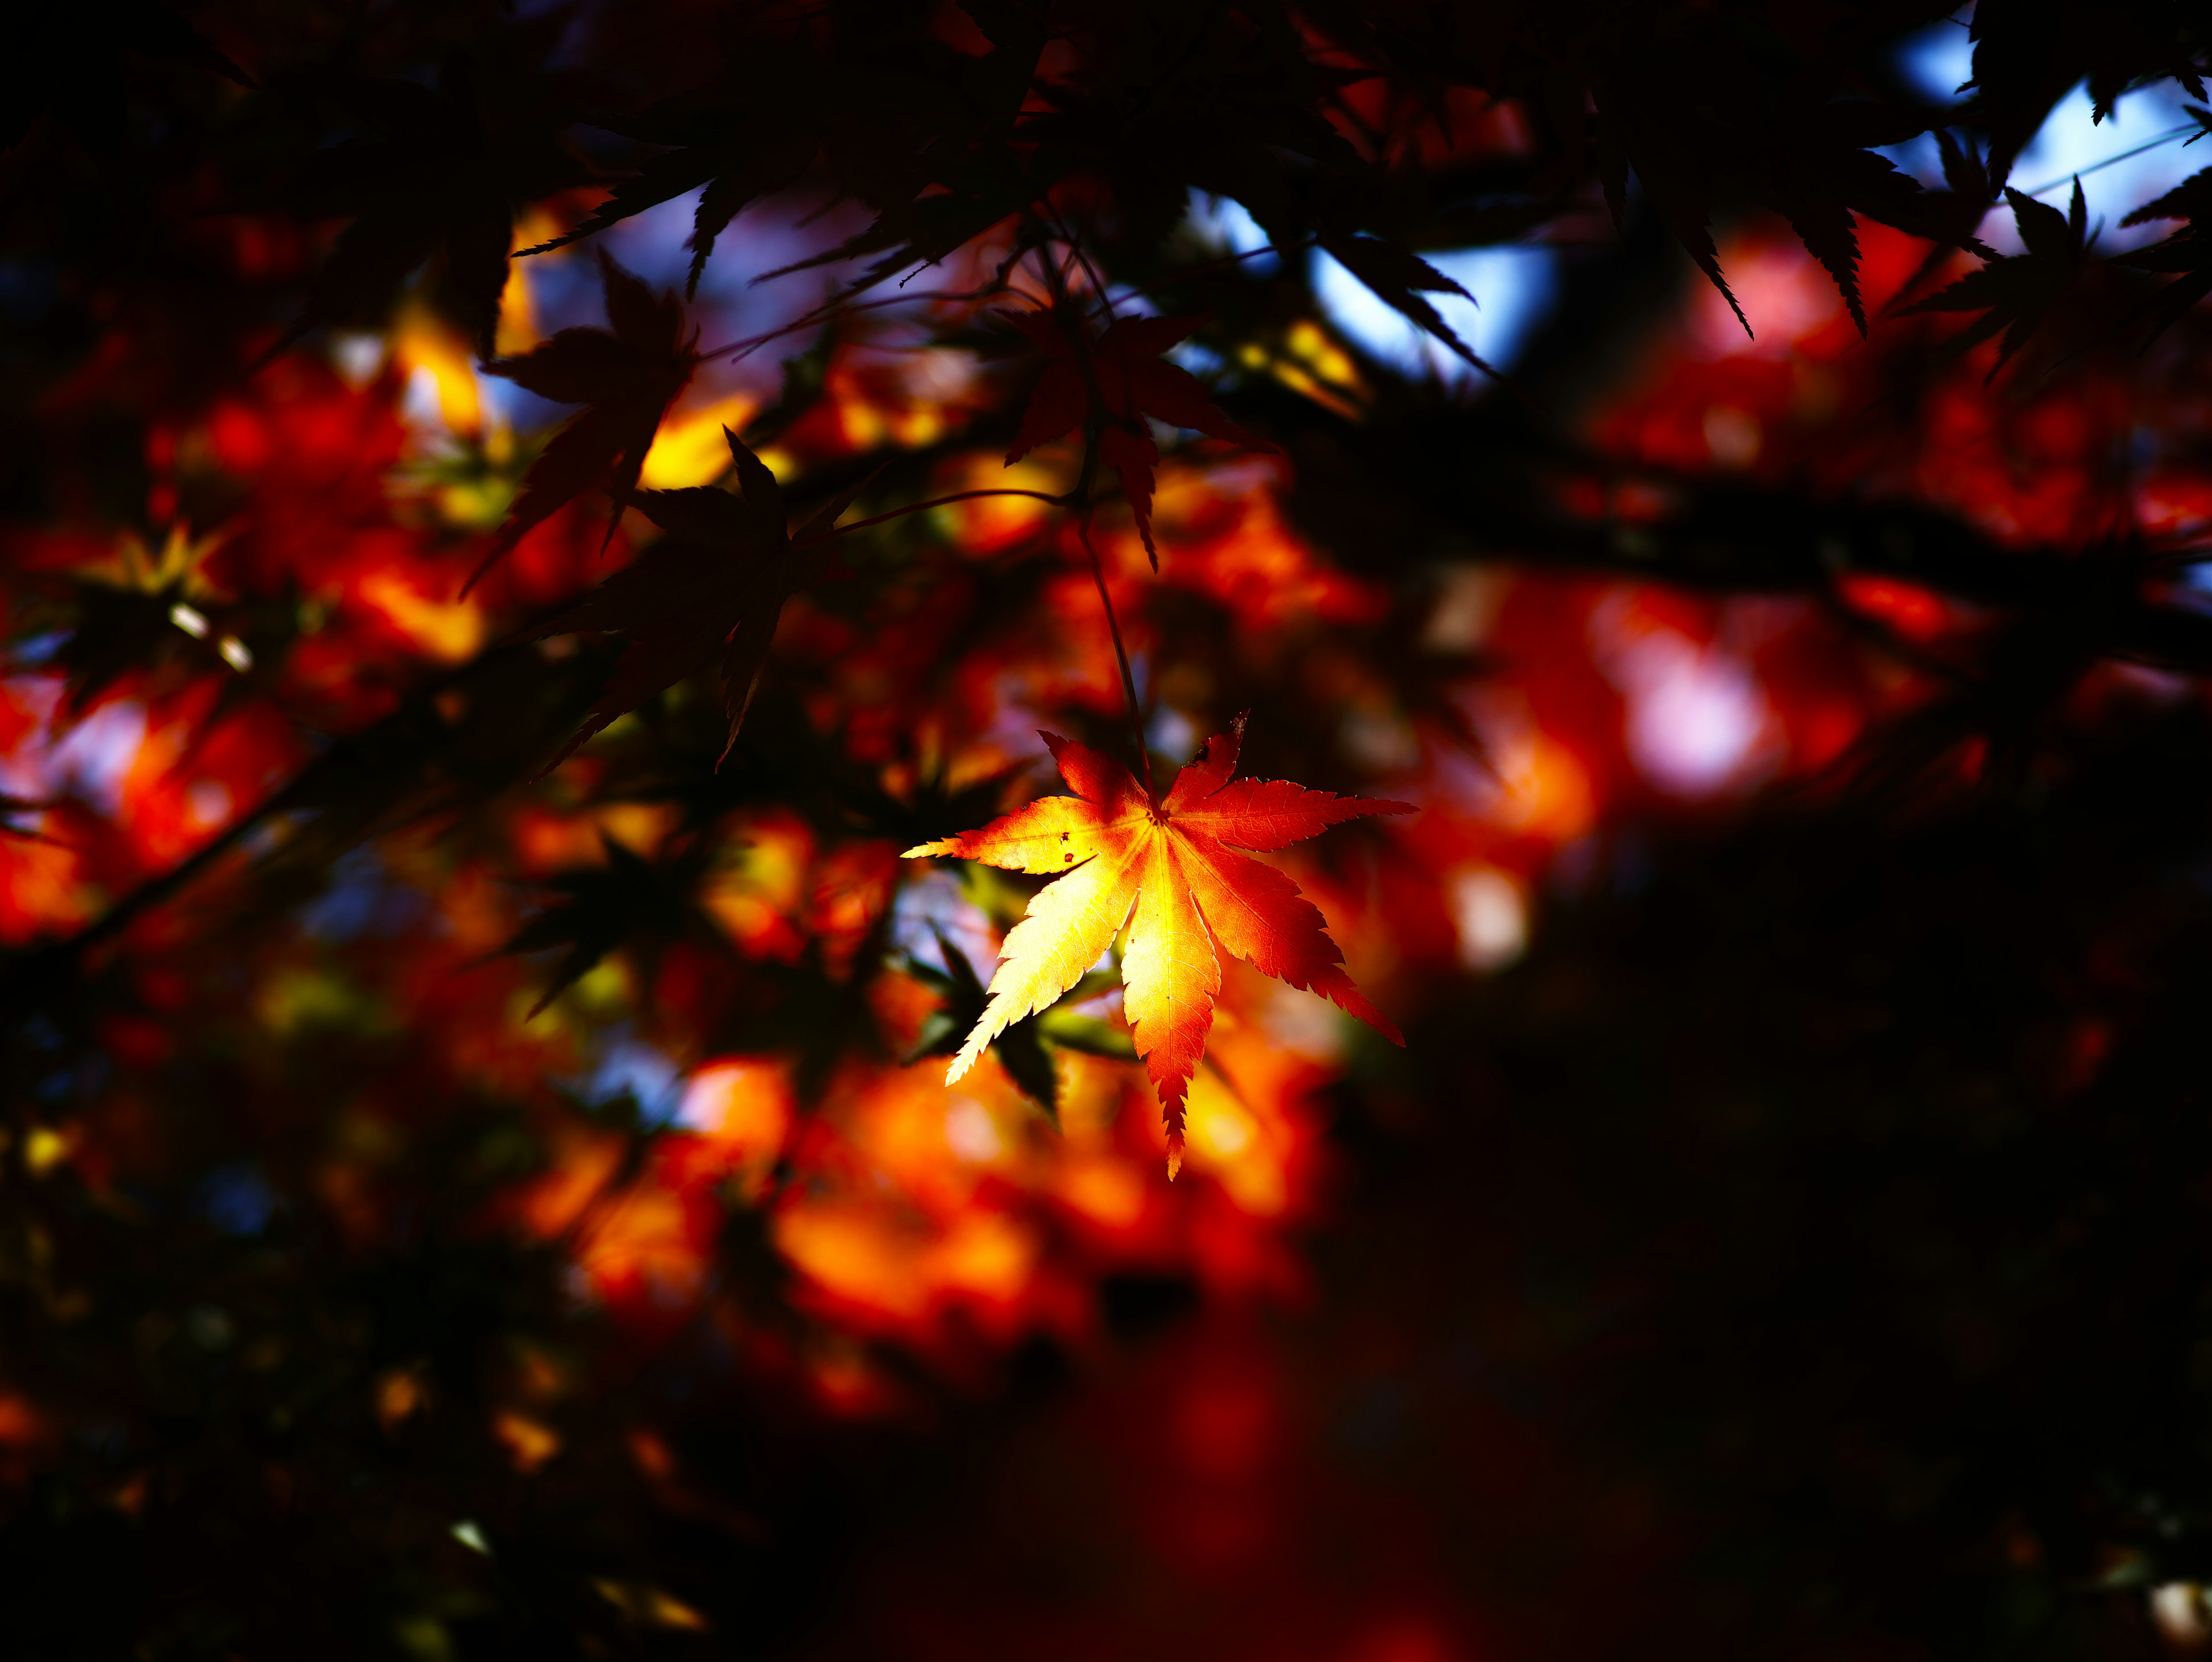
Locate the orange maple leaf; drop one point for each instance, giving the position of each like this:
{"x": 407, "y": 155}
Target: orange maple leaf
{"x": 1171, "y": 862}
{"x": 1123, "y": 371}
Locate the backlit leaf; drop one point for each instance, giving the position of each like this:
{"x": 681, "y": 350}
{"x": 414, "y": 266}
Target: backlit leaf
{"x": 1168, "y": 870}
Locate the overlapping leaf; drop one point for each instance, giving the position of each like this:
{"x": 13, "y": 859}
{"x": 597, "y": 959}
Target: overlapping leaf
{"x": 68, "y": 60}
{"x": 2187, "y": 254}
{"x": 1236, "y": 106}
{"x": 1112, "y": 385}
{"x": 1402, "y": 279}
{"x": 626, "y": 900}
{"x": 2028, "y": 54}
{"x": 627, "y": 374}
{"x": 433, "y": 174}
{"x": 1025, "y": 1048}
{"x": 1168, "y": 868}
{"x": 753, "y": 131}
{"x": 912, "y": 128}
{"x": 2016, "y": 293}
{"x": 709, "y": 594}
{"x": 1714, "y": 136}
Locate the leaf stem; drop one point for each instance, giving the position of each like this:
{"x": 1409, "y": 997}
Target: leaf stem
{"x": 1081, "y": 496}
{"x": 1120, "y": 653}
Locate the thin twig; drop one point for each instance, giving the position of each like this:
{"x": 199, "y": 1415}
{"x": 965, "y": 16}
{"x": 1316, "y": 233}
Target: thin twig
{"x": 2095, "y": 167}
{"x": 1205, "y": 266}
{"x": 828, "y": 309}
{"x": 917, "y": 508}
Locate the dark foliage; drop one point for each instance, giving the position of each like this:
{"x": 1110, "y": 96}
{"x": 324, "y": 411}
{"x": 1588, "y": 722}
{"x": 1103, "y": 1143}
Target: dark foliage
{"x": 1802, "y": 1251}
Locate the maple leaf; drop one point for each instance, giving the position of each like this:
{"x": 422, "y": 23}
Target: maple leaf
{"x": 2015, "y": 293}
{"x": 892, "y": 109}
{"x": 1168, "y": 868}
{"x": 711, "y": 592}
{"x": 1115, "y": 382}
{"x": 629, "y": 376}
{"x": 1224, "y": 108}
{"x": 1022, "y": 1047}
{"x": 438, "y": 172}
{"x": 1952, "y": 216}
{"x": 1400, "y": 278}
{"x": 71, "y": 60}
{"x": 2028, "y": 54}
{"x": 1703, "y": 132}
{"x": 138, "y": 609}
{"x": 1229, "y": 103}
{"x": 625, "y": 900}
{"x": 752, "y": 133}
{"x": 2187, "y": 254}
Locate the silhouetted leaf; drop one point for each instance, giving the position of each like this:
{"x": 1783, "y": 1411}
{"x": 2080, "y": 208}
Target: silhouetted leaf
{"x": 2015, "y": 293}
{"x": 68, "y": 59}
{"x": 434, "y": 174}
{"x": 1110, "y": 386}
{"x": 2028, "y": 54}
{"x": 1402, "y": 279}
{"x": 1022, "y": 1048}
{"x": 1700, "y": 142}
{"x": 627, "y": 899}
{"x": 710, "y": 592}
{"x": 893, "y": 111}
{"x": 2187, "y": 254}
{"x": 629, "y": 376}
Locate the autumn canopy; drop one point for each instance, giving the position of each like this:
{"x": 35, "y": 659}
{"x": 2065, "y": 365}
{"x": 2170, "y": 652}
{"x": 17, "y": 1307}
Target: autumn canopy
{"x": 988, "y": 829}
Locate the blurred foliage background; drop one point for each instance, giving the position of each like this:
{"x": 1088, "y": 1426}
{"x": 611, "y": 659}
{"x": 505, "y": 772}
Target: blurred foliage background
{"x": 1742, "y": 471}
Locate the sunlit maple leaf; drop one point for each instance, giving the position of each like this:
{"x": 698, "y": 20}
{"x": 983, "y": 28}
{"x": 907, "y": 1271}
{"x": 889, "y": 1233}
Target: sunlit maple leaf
{"x": 1168, "y": 868}
{"x": 711, "y": 592}
{"x": 629, "y": 374}
{"x": 1116, "y": 381}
